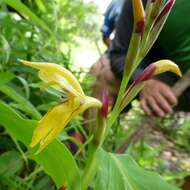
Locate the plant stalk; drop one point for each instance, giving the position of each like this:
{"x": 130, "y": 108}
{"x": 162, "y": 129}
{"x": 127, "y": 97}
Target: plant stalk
{"x": 91, "y": 167}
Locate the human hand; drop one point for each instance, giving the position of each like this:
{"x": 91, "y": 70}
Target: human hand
{"x": 157, "y": 98}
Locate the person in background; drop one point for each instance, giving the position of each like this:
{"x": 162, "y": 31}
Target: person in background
{"x": 157, "y": 97}
{"x": 173, "y": 43}
{"x": 110, "y": 19}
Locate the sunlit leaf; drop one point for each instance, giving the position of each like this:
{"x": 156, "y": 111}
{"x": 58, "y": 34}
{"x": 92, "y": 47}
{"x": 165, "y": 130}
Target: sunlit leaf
{"x": 27, "y": 13}
{"x": 40, "y": 5}
{"x": 23, "y": 104}
{"x": 120, "y": 172}
{"x": 6, "y": 77}
{"x": 10, "y": 163}
{"x": 56, "y": 159}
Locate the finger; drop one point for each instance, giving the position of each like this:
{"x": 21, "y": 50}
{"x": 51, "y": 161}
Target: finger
{"x": 169, "y": 95}
{"x": 163, "y": 103}
{"x": 152, "y": 104}
{"x": 144, "y": 106}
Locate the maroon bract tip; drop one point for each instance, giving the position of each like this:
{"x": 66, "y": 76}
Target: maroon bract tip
{"x": 146, "y": 74}
{"x": 140, "y": 27}
{"x": 168, "y": 6}
{"x": 62, "y": 188}
{"x": 105, "y": 104}
{"x": 77, "y": 136}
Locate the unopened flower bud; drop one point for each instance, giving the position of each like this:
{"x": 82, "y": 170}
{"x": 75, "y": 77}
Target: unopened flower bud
{"x": 105, "y": 105}
{"x": 139, "y": 16}
{"x": 167, "y": 8}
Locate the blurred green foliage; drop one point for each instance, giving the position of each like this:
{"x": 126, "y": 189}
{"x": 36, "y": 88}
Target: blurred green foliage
{"x": 43, "y": 31}
{"x": 164, "y": 147}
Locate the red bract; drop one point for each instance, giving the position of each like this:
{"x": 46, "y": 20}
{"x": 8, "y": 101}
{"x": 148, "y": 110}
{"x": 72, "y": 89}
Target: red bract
{"x": 139, "y": 16}
{"x": 168, "y": 6}
{"x": 140, "y": 27}
{"x": 62, "y": 188}
{"x": 105, "y": 104}
{"x": 77, "y": 136}
{"x": 146, "y": 74}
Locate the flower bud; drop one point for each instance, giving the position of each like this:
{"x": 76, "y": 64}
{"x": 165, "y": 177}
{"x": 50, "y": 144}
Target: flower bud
{"x": 146, "y": 74}
{"x": 105, "y": 104}
{"x": 139, "y": 16}
{"x": 167, "y": 8}
{"x": 158, "y": 68}
{"x": 153, "y": 69}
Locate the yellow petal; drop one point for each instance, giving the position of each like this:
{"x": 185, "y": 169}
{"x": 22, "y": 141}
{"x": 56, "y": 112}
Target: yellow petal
{"x": 90, "y": 102}
{"x": 138, "y": 11}
{"x": 58, "y": 82}
{"x": 50, "y": 72}
{"x": 166, "y": 65}
{"x": 57, "y": 118}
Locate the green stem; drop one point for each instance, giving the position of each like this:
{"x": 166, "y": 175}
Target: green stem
{"x": 91, "y": 167}
{"x": 130, "y": 62}
{"x": 114, "y": 113}
{"x": 22, "y": 153}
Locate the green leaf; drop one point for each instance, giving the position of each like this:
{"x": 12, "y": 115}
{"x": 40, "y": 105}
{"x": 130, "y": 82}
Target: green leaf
{"x": 27, "y": 13}
{"x": 25, "y": 85}
{"x": 56, "y": 159}
{"x": 24, "y": 104}
{"x": 10, "y": 163}
{"x": 40, "y": 5}
{"x": 6, "y": 77}
{"x": 5, "y": 49}
{"x": 120, "y": 172}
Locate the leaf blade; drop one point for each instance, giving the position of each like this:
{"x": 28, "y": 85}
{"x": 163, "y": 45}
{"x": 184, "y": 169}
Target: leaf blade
{"x": 56, "y": 159}
{"x": 126, "y": 174}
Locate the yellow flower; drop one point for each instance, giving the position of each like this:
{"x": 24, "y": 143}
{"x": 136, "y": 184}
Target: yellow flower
{"x": 166, "y": 65}
{"x": 58, "y": 117}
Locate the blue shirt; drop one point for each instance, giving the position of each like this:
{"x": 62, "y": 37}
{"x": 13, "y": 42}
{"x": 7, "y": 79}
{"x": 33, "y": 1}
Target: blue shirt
{"x": 111, "y": 16}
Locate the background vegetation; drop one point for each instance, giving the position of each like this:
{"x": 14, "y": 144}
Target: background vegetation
{"x": 35, "y": 30}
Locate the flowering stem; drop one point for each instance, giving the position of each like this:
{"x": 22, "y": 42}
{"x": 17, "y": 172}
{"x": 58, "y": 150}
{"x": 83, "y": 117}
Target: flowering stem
{"x": 132, "y": 55}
